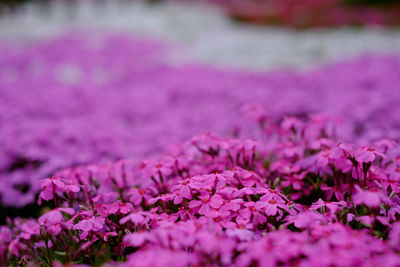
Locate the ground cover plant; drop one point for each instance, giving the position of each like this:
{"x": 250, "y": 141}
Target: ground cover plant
{"x": 89, "y": 97}
{"x": 295, "y": 169}
{"x": 294, "y": 196}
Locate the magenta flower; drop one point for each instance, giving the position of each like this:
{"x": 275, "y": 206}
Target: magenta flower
{"x": 367, "y": 154}
{"x": 163, "y": 197}
{"x": 371, "y": 197}
{"x": 137, "y": 218}
{"x": 294, "y": 180}
{"x": 394, "y": 209}
{"x": 182, "y": 190}
{"x": 50, "y": 186}
{"x": 70, "y": 186}
{"x": 255, "y": 112}
{"x": 136, "y": 239}
{"x": 394, "y": 235}
{"x": 274, "y": 203}
{"x": 161, "y": 168}
{"x": 54, "y": 220}
{"x": 342, "y": 150}
{"x": 307, "y": 219}
{"x": 331, "y": 191}
{"x": 137, "y": 196}
{"x": 331, "y": 207}
{"x": 253, "y": 211}
{"x": 86, "y": 226}
{"x": 386, "y": 144}
{"x": 120, "y": 207}
{"x": 272, "y": 206}
{"x": 207, "y": 203}
{"x": 323, "y": 158}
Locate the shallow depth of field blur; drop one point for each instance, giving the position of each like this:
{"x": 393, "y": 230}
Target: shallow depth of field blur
{"x": 199, "y": 133}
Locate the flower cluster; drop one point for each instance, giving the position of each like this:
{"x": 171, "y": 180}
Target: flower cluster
{"x": 85, "y": 98}
{"x": 294, "y": 196}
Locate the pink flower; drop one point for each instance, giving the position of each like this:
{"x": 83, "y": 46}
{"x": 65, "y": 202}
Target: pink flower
{"x": 291, "y": 123}
{"x": 253, "y": 212}
{"x": 93, "y": 224}
{"x": 163, "y": 197}
{"x": 55, "y": 215}
{"x": 394, "y": 208}
{"x": 53, "y": 220}
{"x": 371, "y": 197}
{"x": 50, "y": 186}
{"x": 307, "y": 219}
{"x": 244, "y": 191}
{"x": 15, "y": 247}
{"x": 137, "y": 218}
{"x": 294, "y": 180}
{"x": 332, "y": 207}
{"x": 323, "y": 158}
{"x": 182, "y": 190}
{"x": 136, "y": 239}
{"x": 256, "y": 112}
{"x": 70, "y": 186}
{"x": 366, "y": 220}
{"x": 120, "y": 207}
{"x": 137, "y": 196}
{"x": 385, "y": 144}
{"x": 273, "y": 201}
{"x": 244, "y": 223}
{"x": 207, "y": 203}
{"x": 394, "y": 235}
{"x": 163, "y": 168}
{"x": 367, "y": 154}
{"x": 106, "y": 198}
{"x": 342, "y": 150}
{"x": 185, "y": 189}
{"x": 331, "y": 191}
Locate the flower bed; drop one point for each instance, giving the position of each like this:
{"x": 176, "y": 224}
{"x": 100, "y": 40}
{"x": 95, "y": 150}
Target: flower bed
{"x": 295, "y": 196}
{"x": 85, "y": 98}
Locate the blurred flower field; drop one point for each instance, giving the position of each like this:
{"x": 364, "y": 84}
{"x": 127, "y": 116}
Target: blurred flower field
{"x": 157, "y": 140}
{"x": 309, "y": 13}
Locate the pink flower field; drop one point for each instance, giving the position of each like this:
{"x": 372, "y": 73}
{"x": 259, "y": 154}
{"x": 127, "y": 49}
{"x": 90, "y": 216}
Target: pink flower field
{"x": 112, "y": 154}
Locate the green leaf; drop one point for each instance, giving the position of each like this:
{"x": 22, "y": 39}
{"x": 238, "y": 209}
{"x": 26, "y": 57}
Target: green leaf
{"x": 60, "y": 253}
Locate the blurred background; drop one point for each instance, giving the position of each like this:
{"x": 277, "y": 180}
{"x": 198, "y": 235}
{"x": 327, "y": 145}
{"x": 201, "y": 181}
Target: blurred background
{"x": 257, "y": 34}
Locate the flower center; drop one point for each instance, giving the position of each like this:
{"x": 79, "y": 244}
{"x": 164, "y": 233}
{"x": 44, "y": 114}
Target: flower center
{"x": 158, "y": 166}
{"x": 206, "y": 200}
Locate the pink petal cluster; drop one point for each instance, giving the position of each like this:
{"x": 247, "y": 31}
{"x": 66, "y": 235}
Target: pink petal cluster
{"x": 89, "y": 97}
{"x": 218, "y": 201}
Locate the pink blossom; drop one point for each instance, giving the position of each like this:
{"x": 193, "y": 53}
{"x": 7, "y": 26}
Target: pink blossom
{"x": 367, "y": 154}
{"x": 94, "y": 224}
{"x": 120, "y": 207}
{"x": 138, "y": 218}
{"x": 370, "y": 197}
{"x": 253, "y": 212}
{"x": 50, "y": 186}
{"x": 207, "y": 203}
{"x": 137, "y": 196}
